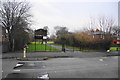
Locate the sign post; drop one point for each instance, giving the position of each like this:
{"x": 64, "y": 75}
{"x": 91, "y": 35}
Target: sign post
{"x": 45, "y": 38}
{"x": 40, "y": 34}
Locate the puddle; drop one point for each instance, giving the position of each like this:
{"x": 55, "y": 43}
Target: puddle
{"x": 24, "y": 76}
{"x": 29, "y": 65}
{"x": 20, "y": 75}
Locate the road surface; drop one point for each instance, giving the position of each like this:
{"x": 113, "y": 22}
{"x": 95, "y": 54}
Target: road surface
{"x": 98, "y": 67}
{"x": 62, "y": 65}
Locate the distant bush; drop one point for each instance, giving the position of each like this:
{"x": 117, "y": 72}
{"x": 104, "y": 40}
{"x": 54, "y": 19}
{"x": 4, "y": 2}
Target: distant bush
{"x": 84, "y": 41}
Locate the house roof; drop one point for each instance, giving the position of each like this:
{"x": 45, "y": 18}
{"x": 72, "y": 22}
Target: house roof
{"x": 98, "y": 33}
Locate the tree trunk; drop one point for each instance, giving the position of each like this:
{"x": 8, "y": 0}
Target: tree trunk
{"x": 10, "y": 42}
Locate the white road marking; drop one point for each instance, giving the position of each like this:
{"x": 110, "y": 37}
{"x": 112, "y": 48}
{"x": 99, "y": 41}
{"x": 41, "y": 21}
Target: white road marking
{"x": 101, "y": 60}
{"x": 19, "y": 65}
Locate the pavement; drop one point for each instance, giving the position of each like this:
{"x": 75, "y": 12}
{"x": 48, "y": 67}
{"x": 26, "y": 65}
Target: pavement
{"x": 59, "y": 47}
{"x": 51, "y": 54}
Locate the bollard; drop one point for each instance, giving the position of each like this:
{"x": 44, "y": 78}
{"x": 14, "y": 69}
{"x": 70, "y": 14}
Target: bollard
{"x": 24, "y": 53}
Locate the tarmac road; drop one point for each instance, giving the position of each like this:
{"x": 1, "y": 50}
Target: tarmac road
{"x": 98, "y": 67}
{"x": 68, "y": 65}
{"x": 7, "y": 66}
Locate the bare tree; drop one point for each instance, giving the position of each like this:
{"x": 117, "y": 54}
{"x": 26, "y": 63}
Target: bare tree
{"x": 92, "y": 23}
{"x": 61, "y": 30}
{"x": 116, "y": 30}
{"x": 14, "y": 15}
{"x": 46, "y": 28}
{"x": 105, "y": 24}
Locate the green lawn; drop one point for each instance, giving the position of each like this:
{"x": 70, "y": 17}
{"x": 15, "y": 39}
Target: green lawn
{"x": 115, "y": 48}
{"x": 40, "y": 47}
{"x": 50, "y": 42}
{"x": 43, "y": 47}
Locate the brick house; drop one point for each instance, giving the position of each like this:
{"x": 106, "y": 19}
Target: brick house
{"x": 97, "y": 34}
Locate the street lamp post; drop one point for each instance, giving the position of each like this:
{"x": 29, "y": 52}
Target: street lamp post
{"x": 45, "y": 38}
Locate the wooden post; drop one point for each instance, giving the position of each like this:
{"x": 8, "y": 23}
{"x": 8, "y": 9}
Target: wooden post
{"x": 13, "y": 45}
{"x": 73, "y": 47}
{"x": 35, "y": 44}
{"x": 45, "y": 44}
{"x": 50, "y": 47}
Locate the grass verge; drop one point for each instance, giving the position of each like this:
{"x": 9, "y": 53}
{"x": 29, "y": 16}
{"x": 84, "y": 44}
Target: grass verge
{"x": 40, "y": 47}
{"x": 115, "y": 48}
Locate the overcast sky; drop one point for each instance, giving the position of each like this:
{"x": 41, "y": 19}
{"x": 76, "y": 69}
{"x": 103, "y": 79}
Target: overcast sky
{"x": 74, "y": 14}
